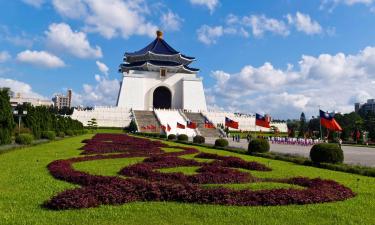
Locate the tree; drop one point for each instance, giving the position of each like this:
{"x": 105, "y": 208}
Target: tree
{"x": 132, "y": 127}
{"x": 6, "y": 117}
{"x": 292, "y": 127}
{"x": 302, "y": 125}
{"x": 92, "y": 124}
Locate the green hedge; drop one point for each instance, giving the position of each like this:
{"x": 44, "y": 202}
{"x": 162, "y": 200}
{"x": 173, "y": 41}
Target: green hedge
{"x": 24, "y": 139}
{"x": 221, "y": 142}
{"x": 50, "y": 135}
{"x": 258, "y": 145}
{"x": 61, "y": 134}
{"x": 199, "y": 139}
{"x": 182, "y": 137}
{"x": 326, "y": 153}
{"x": 172, "y": 137}
{"x": 164, "y": 136}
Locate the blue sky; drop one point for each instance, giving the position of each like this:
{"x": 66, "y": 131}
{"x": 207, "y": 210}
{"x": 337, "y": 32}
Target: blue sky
{"x": 279, "y": 57}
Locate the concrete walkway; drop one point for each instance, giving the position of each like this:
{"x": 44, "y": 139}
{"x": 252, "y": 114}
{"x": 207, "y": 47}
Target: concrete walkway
{"x": 352, "y": 155}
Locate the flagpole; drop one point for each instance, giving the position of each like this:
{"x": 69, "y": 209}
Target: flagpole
{"x": 320, "y": 125}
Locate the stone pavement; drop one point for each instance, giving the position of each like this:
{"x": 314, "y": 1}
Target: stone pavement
{"x": 352, "y": 155}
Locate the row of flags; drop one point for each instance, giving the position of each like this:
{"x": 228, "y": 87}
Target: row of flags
{"x": 189, "y": 124}
{"x": 262, "y": 121}
{"x": 326, "y": 119}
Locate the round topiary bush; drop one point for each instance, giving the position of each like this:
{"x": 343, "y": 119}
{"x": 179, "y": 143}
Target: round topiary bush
{"x": 258, "y": 145}
{"x": 326, "y": 153}
{"x": 50, "y": 135}
{"x": 199, "y": 139}
{"x": 61, "y": 134}
{"x": 24, "y": 139}
{"x": 221, "y": 142}
{"x": 69, "y": 132}
{"x": 163, "y": 136}
{"x": 182, "y": 137}
{"x": 172, "y": 137}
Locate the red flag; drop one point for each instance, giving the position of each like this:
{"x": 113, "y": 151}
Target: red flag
{"x": 148, "y": 127}
{"x": 208, "y": 124}
{"x": 231, "y": 123}
{"x": 262, "y": 121}
{"x": 152, "y": 127}
{"x": 163, "y": 127}
{"x": 191, "y": 125}
{"x": 168, "y": 128}
{"x": 329, "y": 122}
{"x": 181, "y": 126}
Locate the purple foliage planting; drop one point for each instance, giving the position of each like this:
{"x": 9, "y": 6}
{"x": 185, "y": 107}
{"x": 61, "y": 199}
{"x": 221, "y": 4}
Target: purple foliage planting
{"x": 145, "y": 183}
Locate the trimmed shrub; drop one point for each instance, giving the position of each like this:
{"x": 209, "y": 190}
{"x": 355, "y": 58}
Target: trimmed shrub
{"x": 182, "y": 137}
{"x": 326, "y": 153}
{"x": 163, "y": 136}
{"x": 221, "y": 142}
{"x": 258, "y": 145}
{"x": 61, "y": 134}
{"x": 69, "y": 132}
{"x": 50, "y": 135}
{"x": 24, "y": 139}
{"x": 172, "y": 137}
{"x": 199, "y": 139}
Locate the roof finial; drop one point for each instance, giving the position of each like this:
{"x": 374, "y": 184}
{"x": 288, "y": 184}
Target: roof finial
{"x": 159, "y": 34}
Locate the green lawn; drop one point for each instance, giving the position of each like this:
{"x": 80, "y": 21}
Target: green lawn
{"x": 25, "y": 184}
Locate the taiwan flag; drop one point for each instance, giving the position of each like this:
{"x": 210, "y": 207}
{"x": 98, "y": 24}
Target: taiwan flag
{"x": 191, "y": 125}
{"x": 231, "y": 123}
{"x": 208, "y": 124}
{"x": 262, "y": 121}
{"x": 329, "y": 122}
{"x": 181, "y": 126}
{"x": 164, "y": 128}
{"x": 152, "y": 127}
{"x": 169, "y": 128}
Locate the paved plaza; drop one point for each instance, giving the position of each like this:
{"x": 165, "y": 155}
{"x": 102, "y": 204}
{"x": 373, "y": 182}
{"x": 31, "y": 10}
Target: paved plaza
{"x": 352, "y": 155}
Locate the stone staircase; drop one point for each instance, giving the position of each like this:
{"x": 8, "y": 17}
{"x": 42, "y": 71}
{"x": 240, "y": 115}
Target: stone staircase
{"x": 146, "y": 118}
{"x": 198, "y": 118}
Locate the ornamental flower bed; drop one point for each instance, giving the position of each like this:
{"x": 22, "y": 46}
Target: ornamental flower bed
{"x": 144, "y": 181}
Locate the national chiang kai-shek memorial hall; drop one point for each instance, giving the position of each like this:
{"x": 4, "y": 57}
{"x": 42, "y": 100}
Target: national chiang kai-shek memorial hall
{"x": 159, "y": 90}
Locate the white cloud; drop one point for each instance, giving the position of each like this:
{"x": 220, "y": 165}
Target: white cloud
{"x": 171, "y": 21}
{"x": 304, "y": 23}
{"x": 261, "y": 24}
{"x": 333, "y": 81}
{"x": 19, "y": 87}
{"x": 210, "y": 4}
{"x": 330, "y": 5}
{"x": 102, "y": 67}
{"x": 104, "y": 92}
{"x": 40, "y": 58}
{"x": 70, "y": 8}
{"x": 4, "y": 56}
{"x": 62, "y": 37}
{"x": 34, "y": 3}
{"x": 209, "y": 35}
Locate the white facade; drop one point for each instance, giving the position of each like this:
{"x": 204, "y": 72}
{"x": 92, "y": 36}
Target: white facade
{"x": 137, "y": 90}
{"x": 105, "y": 116}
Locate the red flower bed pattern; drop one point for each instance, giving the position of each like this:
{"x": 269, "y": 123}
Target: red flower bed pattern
{"x": 145, "y": 182}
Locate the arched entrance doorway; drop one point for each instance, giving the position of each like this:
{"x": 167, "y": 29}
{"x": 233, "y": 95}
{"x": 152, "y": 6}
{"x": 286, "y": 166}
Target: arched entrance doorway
{"x": 162, "y": 98}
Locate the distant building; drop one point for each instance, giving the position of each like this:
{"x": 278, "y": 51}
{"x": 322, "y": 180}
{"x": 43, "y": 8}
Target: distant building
{"x": 60, "y": 101}
{"x": 18, "y": 99}
{"x": 367, "y": 107}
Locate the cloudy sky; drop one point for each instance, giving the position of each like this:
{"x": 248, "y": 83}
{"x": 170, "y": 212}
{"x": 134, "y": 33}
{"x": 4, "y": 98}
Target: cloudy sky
{"x": 279, "y": 57}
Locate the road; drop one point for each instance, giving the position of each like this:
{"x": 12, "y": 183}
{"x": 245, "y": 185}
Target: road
{"x": 352, "y": 155}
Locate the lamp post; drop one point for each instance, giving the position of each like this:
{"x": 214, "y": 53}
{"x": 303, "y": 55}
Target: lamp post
{"x": 20, "y": 114}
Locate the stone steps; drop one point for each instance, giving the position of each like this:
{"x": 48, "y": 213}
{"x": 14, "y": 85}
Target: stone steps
{"x": 147, "y": 118}
{"x": 198, "y": 118}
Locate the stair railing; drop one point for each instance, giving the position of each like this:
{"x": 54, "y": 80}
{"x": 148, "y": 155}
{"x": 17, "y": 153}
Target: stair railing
{"x": 135, "y": 118}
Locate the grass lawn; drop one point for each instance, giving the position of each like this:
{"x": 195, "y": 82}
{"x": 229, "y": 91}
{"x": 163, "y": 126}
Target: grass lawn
{"x": 25, "y": 183}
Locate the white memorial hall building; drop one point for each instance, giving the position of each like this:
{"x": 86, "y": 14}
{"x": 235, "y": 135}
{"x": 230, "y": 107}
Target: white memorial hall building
{"x": 160, "y": 88}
